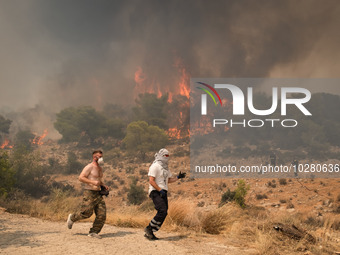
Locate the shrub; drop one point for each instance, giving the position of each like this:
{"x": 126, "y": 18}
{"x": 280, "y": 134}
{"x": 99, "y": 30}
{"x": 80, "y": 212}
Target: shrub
{"x": 136, "y": 194}
{"x": 290, "y": 205}
{"x": 214, "y": 222}
{"x": 261, "y": 196}
{"x": 283, "y": 181}
{"x": 238, "y": 195}
{"x": 271, "y": 184}
{"x": 6, "y": 175}
{"x": 314, "y": 222}
{"x": 196, "y": 193}
{"x": 73, "y": 166}
{"x": 227, "y": 196}
{"x": 29, "y": 173}
{"x": 114, "y": 186}
{"x": 143, "y": 172}
{"x": 130, "y": 170}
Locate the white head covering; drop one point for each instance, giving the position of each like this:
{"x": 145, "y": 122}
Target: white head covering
{"x": 159, "y": 158}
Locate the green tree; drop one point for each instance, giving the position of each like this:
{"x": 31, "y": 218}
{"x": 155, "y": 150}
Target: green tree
{"x": 72, "y": 123}
{"x": 114, "y": 111}
{"x": 85, "y": 123}
{"x": 152, "y": 109}
{"x": 24, "y": 138}
{"x": 141, "y": 138}
{"x": 6, "y": 175}
{"x": 241, "y": 192}
{"x": 115, "y": 128}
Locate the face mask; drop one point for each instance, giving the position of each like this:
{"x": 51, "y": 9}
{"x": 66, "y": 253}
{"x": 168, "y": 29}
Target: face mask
{"x": 100, "y": 161}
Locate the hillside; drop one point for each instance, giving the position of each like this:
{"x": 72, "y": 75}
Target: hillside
{"x": 312, "y": 205}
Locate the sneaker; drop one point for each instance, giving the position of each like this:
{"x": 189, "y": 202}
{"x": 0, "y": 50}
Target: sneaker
{"x": 69, "y": 221}
{"x": 94, "y": 235}
{"x": 149, "y": 234}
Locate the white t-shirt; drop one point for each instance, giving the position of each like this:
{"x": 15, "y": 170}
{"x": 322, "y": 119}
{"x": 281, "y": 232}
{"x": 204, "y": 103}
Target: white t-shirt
{"x": 161, "y": 176}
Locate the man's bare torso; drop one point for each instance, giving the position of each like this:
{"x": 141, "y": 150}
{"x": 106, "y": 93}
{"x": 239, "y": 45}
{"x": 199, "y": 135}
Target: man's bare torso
{"x": 94, "y": 173}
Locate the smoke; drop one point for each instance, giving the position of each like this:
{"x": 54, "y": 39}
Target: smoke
{"x": 62, "y": 53}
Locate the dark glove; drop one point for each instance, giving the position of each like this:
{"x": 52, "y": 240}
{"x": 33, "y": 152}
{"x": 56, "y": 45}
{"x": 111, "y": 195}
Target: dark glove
{"x": 103, "y": 191}
{"x": 181, "y": 175}
{"x": 162, "y": 192}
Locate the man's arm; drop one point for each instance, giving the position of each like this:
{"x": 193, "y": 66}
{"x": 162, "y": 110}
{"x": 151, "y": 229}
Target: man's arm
{"x": 83, "y": 177}
{"x": 172, "y": 179}
{"x": 179, "y": 176}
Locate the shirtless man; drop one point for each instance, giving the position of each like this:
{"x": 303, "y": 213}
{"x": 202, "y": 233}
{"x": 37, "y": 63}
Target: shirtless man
{"x": 91, "y": 176}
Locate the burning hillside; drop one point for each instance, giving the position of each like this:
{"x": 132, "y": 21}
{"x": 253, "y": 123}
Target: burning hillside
{"x": 37, "y": 140}
{"x": 6, "y": 144}
{"x": 177, "y": 96}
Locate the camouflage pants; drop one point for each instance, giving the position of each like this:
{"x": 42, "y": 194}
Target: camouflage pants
{"x": 92, "y": 201}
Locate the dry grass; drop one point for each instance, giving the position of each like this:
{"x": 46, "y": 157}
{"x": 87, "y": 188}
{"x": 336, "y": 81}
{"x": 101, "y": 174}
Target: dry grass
{"x": 181, "y": 213}
{"x": 249, "y": 227}
{"x": 130, "y": 217}
{"x": 55, "y": 208}
{"x": 264, "y": 242}
{"x": 222, "y": 219}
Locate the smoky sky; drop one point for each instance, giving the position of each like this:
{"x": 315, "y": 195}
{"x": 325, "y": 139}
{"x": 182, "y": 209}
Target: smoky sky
{"x": 61, "y": 53}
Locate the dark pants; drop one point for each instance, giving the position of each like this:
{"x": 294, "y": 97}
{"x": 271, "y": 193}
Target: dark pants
{"x": 92, "y": 202}
{"x": 161, "y": 205}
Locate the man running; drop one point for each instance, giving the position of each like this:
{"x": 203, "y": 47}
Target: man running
{"x": 159, "y": 177}
{"x": 92, "y": 176}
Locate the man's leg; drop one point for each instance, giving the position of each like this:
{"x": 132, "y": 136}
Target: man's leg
{"x": 100, "y": 211}
{"x": 87, "y": 207}
{"x": 161, "y": 205}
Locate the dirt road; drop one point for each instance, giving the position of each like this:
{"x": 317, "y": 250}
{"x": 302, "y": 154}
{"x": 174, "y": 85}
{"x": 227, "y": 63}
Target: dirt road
{"x": 20, "y": 234}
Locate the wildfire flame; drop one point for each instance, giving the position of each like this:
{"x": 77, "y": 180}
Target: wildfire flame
{"x": 170, "y": 97}
{"x": 174, "y": 133}
{"x": 184, "y": 88}
{"x": 145, "y": 83}
{"x": 38, "y": 139}
{"x": 6, "y": 144}
{"x": 139, "y": 76}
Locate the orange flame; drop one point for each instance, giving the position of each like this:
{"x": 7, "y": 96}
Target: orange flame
{"x": 159, "y": 93}
{"x": 180, "y": 130}
{"x": 38, "y": 139}
{"x": 184, "y": 88}
{"x": 139, "y": 76}
{"x": 145, "y": 84}
{"x": 183, "y": 84}
{"x": 174, "y": 133}
{"x": 6, "y": 144}
{"x": 169, "y": 97}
